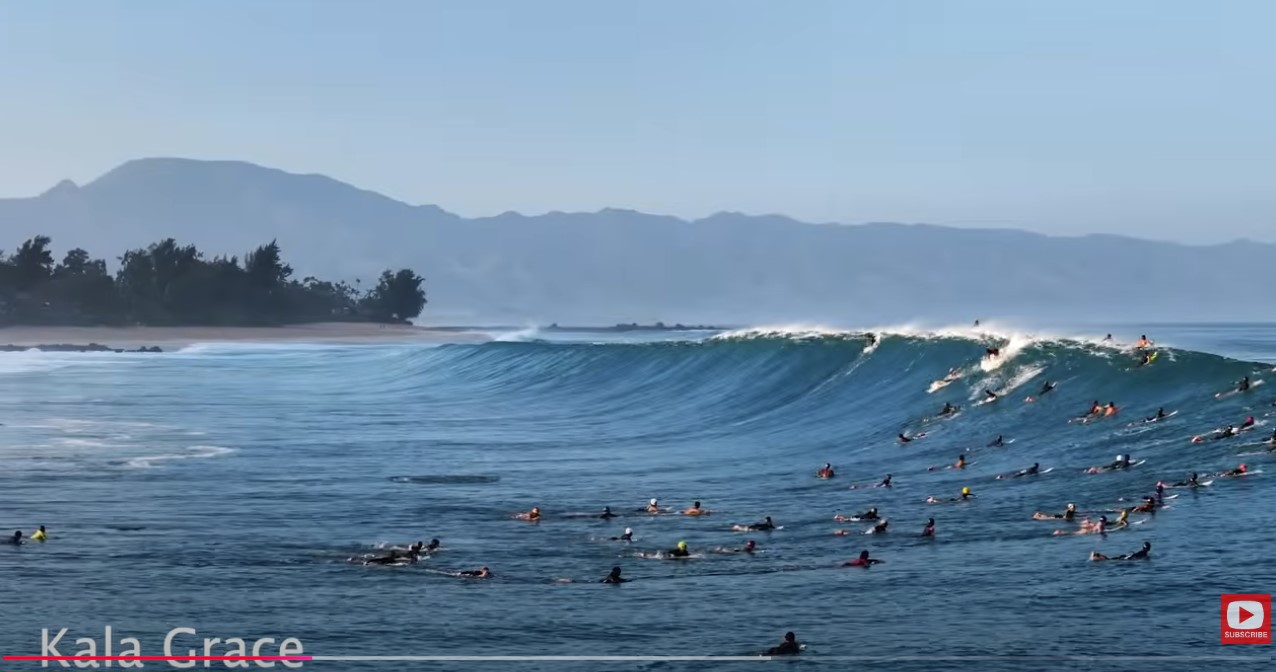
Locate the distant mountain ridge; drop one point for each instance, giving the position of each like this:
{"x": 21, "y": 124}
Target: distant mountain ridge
{"x": 623, "y": 266}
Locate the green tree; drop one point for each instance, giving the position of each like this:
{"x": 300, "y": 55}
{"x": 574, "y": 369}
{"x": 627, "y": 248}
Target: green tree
{"x": 33, "y": 262}
{"x": 397, "y": 296}
{"x": 265, "y": 267}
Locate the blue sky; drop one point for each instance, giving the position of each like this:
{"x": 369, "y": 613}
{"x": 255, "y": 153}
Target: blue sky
{"x": 1154, "y": 118}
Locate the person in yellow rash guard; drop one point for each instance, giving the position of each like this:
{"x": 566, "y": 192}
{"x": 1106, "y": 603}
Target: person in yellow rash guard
{"x": 681, "y": 551}
{"x": 40, "y": 535}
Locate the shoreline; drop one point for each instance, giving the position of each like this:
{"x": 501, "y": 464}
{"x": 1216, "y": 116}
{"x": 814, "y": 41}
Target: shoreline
{"x": 169, "y": 338}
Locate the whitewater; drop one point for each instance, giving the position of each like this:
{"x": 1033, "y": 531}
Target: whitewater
{"x": 225, "y": 487}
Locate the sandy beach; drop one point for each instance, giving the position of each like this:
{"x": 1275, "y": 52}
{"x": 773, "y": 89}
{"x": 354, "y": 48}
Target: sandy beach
{"x": 175, "y": 337}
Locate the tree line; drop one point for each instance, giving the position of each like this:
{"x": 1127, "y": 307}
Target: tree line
{"x": 169, "y": 284}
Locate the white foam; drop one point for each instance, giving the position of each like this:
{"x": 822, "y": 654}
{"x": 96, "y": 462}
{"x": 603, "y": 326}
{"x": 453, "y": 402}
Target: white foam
{"x": 191, "y": 453}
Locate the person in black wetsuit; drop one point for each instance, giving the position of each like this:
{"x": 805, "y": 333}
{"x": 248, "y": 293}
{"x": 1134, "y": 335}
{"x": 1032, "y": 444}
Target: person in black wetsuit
{"x": 614, "y": 577}
{"x": 607, "y": 514}
{"x": 16, "y": 539}
{"x": 992, "y": 352}
{"x": 1227, "y": 433}
{"x": 949, "y": 409}
{"x": 1249, "y": 422}
{"x": 997, "y": 442}
{"x": 1030, "y": 471}
{"x": 1160, "y": 415}
{"x": 481, "y": 573}
{"x": 390, "y": 559}
{"x": 1045, "y": 389}
{"x": 1243, "y": 386}
{"x": 1141, "y": 554}
{"x": 990, "y": 395}
{"x": 789, "y": 647}
{"x": 680, "y": 551}
{"x": 627, "y": 535}
{"x": 905, "y": 439}
{"x": 929, "y": 530}
{"x": 764, "y": 526}
{"x": 886, "y": 482}
{"x": 1191, "y": 482}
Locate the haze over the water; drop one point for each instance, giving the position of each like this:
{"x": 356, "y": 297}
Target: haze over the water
{"x": 1145, "y": 118}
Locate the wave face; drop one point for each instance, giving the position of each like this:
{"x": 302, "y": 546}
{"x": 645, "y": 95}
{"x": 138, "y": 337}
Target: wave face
{"x": 222, "y": 471}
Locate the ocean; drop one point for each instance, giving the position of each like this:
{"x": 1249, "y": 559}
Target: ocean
{"x": 225, "y": 488}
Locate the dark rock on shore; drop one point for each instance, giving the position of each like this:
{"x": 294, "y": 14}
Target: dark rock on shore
{"x": 69, "y": 347}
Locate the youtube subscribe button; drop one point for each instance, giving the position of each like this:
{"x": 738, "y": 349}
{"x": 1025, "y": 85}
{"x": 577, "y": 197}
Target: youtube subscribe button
{"x": 1247, "y": 618}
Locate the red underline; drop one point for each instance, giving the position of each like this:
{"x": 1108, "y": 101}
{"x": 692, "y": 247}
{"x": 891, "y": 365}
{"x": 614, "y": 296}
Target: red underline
{"x": 37, "y": 658}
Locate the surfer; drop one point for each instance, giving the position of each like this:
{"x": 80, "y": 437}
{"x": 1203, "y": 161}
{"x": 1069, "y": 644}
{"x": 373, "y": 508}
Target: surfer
{"x": 990, "y": 353}
{"x": 948, "y": 409}
{"x": 40, "y": 535}
{"x": 695, "y": 510}
{"x": 1226, "y": 433}
{"x": 1249, "y": 423}
{"x": 965, "y": 495}
{"x": 1191, "y": 481}
{"x": 1148, "y": 505}
{"x": 680, "y": 551}
{"x": 1141, "y": 554}
{"x": 789, "y": 647}
{"x": 607, "y": 514}
{"x": 614, "y": 577}
{"x": 1068, "y": 514}
{"x": 1046, "y": 389}
{"x": 1143, "y": 342}
{"x": 1273, "y": 439}
{"x": 1121, "y": 462}
{"x": 904, "y": 439}
{"x": 961, "y": 462}
{"x": 1030, "y": 471}
{"x": 826, "y": 471}
{"x": 871, "y": 514}
{"x": 627, "y": 535}
{"x": 1110, "y": 409}
{"x": 1160, "y": 415}
{"x": 997, "y": 442}
{"x": 765, "y": 526}
{"x": 862, "y": 561}
{"x": 929, "y": 530}
{"x": 750, "y": 547}
{"x": 1147, "y": 358}
{"x": 1096, "y": 409}
{"x": 389, "y": 559}
{"x": 880, "y": 527}
{"x": 16, "y": 539}
{"x": 1107, "y": 339}
{"x": 886, "y": 482}
{"x": 480, "y": 573}
{"x": 989, "y": 395}
{"x": 653, "y": 506}
{"x": 1243, "y": 386}
{"x": 533, "y": 515}
{"x": 1238, "y": 471}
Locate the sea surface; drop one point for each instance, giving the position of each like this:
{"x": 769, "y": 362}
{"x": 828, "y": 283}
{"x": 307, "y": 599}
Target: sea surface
{"x": 227, "y": 487}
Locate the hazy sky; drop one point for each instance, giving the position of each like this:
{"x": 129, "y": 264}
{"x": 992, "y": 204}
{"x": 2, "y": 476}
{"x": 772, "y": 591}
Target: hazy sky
{"x": 1153, "y": 118}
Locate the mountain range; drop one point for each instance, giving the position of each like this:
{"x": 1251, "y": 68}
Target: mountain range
{"x": 622, "y": 266}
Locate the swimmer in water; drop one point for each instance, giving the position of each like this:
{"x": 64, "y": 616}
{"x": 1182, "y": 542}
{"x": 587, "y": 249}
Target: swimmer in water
{"x": 695, "y": 510}
{"x": 614, "y": 577}
{"x": 929, "y": 530}
{"x": 533, "y": 515}
{"x": 880, "y": 527}
{"x": 680, "y": 551}
{"x": 480, "y": 573}
{"x": 607, "y": 514}
{"x": 862, "y": 561}
{"x": 1143, "y": 342}
{"x": 961, "y": 462}
{"x": 826, "y": 471}
{"x": 16, "y": 539}
{"x": 997, "y": 442}
{"x": 886, "y": 482}
{"x": 966, "y": 493}
{"x": 905, "y": 439}
{"x": 789, "y": 647}
{"x": 431, "y": 547}
{"x": 653, "y": 506}
{"x": 627, "y": 535}
{"x": 1146, "y": 359}
{"x": 40, "y": 535}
